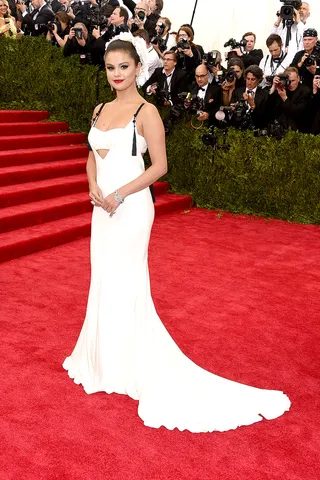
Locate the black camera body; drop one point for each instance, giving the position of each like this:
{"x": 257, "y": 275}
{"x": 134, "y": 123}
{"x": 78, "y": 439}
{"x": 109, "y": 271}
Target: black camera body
{"x": 160, "y": 42}
{"x": 183, "y": 44}
{"x": 274, "y": 130}
{"x": 210, "y": 59}
{"x": 52, "y": 24}
{"x": 78, "y": 33}
{"x": 230, "y": 76}
{"x": 314, "y": 57}
{"x": 287, "y": 10}
{"x": 233, "y": 44}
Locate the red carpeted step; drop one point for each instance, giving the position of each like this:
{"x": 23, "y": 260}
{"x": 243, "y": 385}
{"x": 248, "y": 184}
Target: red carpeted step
{"x": 41, "y": 171}
{"x": 40, "y": 155}
{"x": 35, "y": 191}
{"x": 171, "y": 202}
{"x": 40, "y": 237}
{"x": 23, "y": 116}
{"x": 31, "y": 128}
{"x": 28, "y": 214}
{"x": 13, "y": 142}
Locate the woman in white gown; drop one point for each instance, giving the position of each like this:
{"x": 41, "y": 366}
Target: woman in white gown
{"x": 123, "y": 346}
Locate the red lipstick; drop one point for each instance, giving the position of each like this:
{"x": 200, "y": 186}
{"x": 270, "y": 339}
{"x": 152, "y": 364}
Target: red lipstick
{"x": 118, "y": 81}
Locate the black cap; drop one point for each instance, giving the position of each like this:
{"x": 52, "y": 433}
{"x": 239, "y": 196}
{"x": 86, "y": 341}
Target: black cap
{"x": 310, "y": 32}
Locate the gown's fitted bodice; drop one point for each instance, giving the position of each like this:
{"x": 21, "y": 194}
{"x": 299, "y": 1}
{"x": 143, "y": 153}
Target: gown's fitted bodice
{"x": 116, "y": 138}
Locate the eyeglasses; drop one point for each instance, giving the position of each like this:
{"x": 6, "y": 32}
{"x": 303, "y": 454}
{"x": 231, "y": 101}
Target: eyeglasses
{"x": 201, "y": 76}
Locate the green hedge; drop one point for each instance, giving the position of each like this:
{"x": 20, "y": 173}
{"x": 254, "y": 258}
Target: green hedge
{"x": 260, "y": 176}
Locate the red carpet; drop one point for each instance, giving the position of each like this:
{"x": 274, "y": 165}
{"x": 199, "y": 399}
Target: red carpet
{"x": 43, "y": 186}
{"x": 239, "y": 295}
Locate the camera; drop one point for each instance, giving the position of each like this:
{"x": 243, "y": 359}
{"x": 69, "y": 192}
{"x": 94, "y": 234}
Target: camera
{"x": 287, "y": 10}
{"x": 78, "y": 33}
{"x": 141, "y": 16}
{"x": 234, "y": 44}
{"x": 230, "y": 76}
{"x": 274, "y": 130}
{"x": 51, "y": 25}
{"x": 210, "y": 139}
{"x": 210, "y": 59}
{"x": 314, "y": 57}
{"x": 183, "y": 44}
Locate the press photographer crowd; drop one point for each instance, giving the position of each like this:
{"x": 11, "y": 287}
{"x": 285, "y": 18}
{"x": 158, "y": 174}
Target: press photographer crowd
{"x": 246, "y": 89}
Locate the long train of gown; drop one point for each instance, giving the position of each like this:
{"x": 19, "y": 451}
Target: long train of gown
{"x": 123, "y": 346}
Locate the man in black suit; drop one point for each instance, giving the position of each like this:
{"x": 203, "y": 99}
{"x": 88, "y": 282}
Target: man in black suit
{"x": 250, "y": 55}
{"x": 208, "y": 93}
{"x": 290, "y": 104}
{"x": 255, "y": 97}
{"x": 34, "y": 21}
{"x": 169, "y": 79}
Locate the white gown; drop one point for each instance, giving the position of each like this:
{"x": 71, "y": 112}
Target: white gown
{"x": 123, "y": 346}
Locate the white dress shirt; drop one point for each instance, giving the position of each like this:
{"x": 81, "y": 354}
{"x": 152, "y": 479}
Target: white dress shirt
{"x": 153, "y": 61}
{"x": 202, "y": 93}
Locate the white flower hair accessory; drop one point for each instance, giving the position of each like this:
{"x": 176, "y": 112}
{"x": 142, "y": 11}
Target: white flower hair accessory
{"x": 141, "y": 47}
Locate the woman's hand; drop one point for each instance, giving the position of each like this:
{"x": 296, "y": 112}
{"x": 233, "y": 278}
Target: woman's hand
{"x": 110, "y": 204}
{"x": 5, "y": 29}
{"x": 188, "y": 52}
{"x": 95, "y": 194}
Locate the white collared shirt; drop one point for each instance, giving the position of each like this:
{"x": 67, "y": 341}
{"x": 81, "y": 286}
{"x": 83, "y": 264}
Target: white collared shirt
{"x": 202, "y": 93}
{"x": 34, "y": 18}
{"x": 153, "y": 61}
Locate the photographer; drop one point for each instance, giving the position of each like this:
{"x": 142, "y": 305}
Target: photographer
{"x": 289, "y": 101}
{"x": 234, "y": 78}
{"x": 164, "y": 40}
{"x": 277, "y": 60}
{"x": 36, "y": 22}
{"x": 167, "y": 82}
{"x": 315, "y": 107}
{"x": 145, "y": 15}
{"x": 80, "y": 42}
{"x": 307, "y": 60}
{"x": 292, "y": 36}
{"x": 189, "y": 56}
{"x": 249, "y": 55}
{"x": 209, "y": 94}
{"x": 255, "y": 97}
{"x": 212, "y": 60}
{"x": 58, "y": 32}
{"x": 152, "y": 61}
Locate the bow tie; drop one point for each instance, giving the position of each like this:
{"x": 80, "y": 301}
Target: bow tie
{"x": 202, "y": 89}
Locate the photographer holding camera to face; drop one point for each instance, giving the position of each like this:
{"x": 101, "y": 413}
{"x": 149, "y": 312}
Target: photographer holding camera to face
{"x": 212, "y": 60}
{"x": 189, "y": 57}
{"x": 82, "y": 43}
{"x": 248, "y": 54}
{"x": 289, "y": 26}
{"x": 289, "y": 101}
{"x": 234, "y": 78}
{"x": 35, "y": 23}
{"x": 307, "y": 61}
{"x": 164, "y": 40}
{"x": 58, "y": 31}
{"x": 145, "y": 15}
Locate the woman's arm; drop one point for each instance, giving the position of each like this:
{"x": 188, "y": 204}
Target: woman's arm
{"x": 95, "y": 192}
{"x": 153, "y": 132}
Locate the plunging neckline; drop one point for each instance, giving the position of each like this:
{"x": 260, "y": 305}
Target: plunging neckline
{"x": 118, "y": 128}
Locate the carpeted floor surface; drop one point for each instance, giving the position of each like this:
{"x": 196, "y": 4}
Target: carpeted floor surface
{"x": 240, "y": 296}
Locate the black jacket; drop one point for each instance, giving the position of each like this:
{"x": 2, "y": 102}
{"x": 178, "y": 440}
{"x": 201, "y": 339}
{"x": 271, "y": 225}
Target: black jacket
{"x": 45, "y": 16}
{"x": 212, "y": 99}
{"x": 295, "y": 111}
{"x": 305, "y": 75}
{"x": 179, "y": 82}
{"x": 259, "y": 114}
{"x": 252, "y": 58}
{"x": 72, "y": 47}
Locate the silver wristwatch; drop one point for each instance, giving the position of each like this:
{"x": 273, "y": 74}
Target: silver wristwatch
{"x": 118, "y": 197}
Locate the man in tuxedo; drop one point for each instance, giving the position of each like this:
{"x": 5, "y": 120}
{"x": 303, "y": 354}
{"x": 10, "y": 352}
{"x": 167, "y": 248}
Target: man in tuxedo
{"x": 255, "y": 97}
{"x": 250, "y": 55}
{"x": 208, "y": 93}
{"x": 169, "y": 79}
{"x": 290, "y": 104}
{"x": 36, "y": 20}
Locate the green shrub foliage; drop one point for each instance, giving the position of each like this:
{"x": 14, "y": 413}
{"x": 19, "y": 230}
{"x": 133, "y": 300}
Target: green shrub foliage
{"x": 259, "y": 176}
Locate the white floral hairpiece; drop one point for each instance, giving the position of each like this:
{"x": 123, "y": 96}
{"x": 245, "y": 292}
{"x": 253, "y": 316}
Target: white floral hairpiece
{"x": 141, "y": 48}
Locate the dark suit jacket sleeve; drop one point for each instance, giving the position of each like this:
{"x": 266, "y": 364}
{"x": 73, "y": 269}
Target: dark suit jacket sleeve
{"x": 45, "y": 16}
{"x": 130, "y": 4}
{"x": 297, "y": 107}
{"x": 296, "y": 60}
{"x": 153, "y": 79}
{"x": 253, "y": 58}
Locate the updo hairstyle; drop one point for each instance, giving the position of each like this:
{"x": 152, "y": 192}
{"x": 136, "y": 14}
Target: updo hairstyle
{"x": 124, "y": 46}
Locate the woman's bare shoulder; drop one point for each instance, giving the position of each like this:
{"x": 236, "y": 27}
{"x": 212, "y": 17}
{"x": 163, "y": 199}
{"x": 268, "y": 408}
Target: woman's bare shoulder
{"x": 149, "y": 111}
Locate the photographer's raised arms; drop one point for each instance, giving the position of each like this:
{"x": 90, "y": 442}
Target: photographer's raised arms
{"x": 243, "y": 89}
